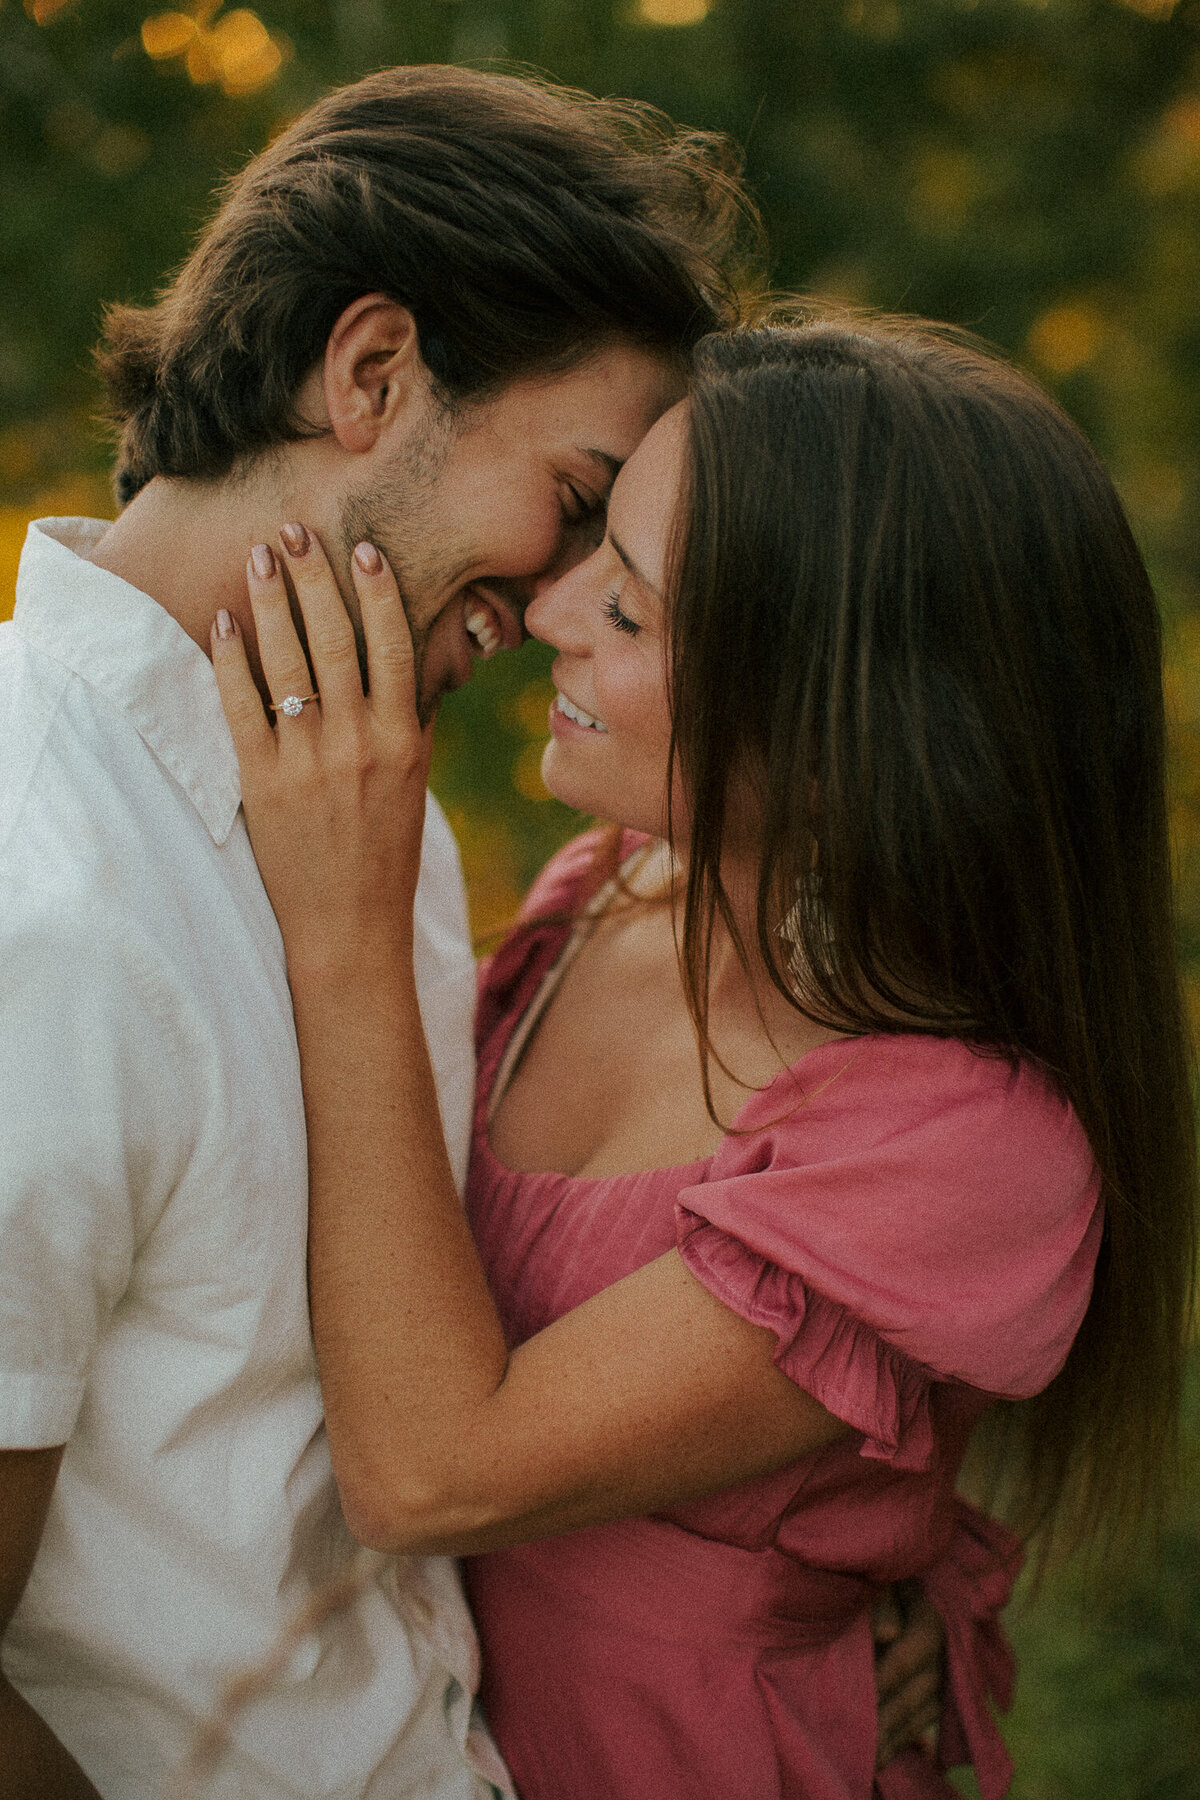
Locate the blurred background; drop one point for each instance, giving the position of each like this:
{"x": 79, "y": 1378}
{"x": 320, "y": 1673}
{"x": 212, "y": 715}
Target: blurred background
{"x": 1028, "y": 168}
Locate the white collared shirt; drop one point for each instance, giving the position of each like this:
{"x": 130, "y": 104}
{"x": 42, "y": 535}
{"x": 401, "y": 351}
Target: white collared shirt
{"x": 153, "y": 1201}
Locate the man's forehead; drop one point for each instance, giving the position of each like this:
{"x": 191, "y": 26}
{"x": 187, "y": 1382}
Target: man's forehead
{"x": 603, "y": 407}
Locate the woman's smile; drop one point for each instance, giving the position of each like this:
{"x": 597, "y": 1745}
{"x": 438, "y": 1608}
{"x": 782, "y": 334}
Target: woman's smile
{"x": 562, "y": 708}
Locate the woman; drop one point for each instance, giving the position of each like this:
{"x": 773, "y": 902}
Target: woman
{"x": 801, "y": 1139}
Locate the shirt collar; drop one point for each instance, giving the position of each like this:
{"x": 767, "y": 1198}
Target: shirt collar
{"x": 129, "y": 648}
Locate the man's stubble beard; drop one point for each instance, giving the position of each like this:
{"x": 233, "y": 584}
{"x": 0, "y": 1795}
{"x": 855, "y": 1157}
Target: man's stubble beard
{"x": 397, "y": 515}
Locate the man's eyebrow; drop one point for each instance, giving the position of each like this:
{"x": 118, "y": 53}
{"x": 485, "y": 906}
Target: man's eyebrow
{"x": 604, "y": 459}
{"x": 625, "y": 557}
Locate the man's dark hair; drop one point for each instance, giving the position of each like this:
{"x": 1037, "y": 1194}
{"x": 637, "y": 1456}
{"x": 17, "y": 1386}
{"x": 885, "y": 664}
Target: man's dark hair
{"x": 523, "y": 224}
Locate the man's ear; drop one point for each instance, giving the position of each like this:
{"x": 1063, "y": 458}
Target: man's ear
{"x": 374, "y": 374}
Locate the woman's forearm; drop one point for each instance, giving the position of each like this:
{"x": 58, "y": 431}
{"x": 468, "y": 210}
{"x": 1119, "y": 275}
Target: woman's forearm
{"x": 409, "y": 1343}
{"x": 647, "y": 1393}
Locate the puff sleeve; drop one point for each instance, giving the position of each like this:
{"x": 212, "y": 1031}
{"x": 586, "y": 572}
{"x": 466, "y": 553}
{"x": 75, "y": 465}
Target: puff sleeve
{"x": 901, "y": 1210}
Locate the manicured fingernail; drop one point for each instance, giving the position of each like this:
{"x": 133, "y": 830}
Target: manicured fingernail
{"x": 296, "y": 539}
{"x": 225, "y": 625}
{"x": 263, "y": 558}
{"x": 368, "y": 559}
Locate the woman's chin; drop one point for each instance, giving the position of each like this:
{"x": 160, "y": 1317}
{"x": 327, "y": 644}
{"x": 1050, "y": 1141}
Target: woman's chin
{"x": 572, "y": 786}
{"x": 613, "y": 799}
{"x": 565, "y": 784}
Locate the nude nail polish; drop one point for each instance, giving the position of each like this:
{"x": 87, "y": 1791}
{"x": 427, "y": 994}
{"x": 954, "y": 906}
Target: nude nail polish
{"x": 296, "y": 538}
{"x": 263, "y": 558}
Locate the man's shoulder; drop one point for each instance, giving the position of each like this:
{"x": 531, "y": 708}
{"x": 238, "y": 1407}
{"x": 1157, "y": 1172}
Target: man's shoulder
{"x": 61, "y": 887}
{"x": 31, "y": 692}
{"x": 67, "y": 755}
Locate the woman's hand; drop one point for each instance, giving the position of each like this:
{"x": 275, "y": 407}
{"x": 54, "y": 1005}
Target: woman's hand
{"x": 648, "y": 1393}
{"x": 334, "y": 791}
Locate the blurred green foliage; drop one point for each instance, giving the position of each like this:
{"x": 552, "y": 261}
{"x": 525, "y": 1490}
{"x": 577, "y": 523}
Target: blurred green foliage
{"x": 1108, "y": 1697}
{"x": 1029, "y": 168}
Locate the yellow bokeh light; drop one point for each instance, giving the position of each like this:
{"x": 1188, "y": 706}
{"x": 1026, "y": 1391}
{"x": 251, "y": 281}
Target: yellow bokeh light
{"x": 1154, "y": 492}
{"x": 874, "y": 18}
{"x": 119, "y": 149}
{"x": 1181, "y": 683}
{"x": 234, "y": 49}
{"x": 1066, "y": 338}
{"x": 673, "y": 12}
{"x": 1182, "y": 121}
{"x": 168, "y": 34}
{"x": 1169, "y": 161}
{"x": 200, "y": 63}
{"x": 74, "y": 496}
{"x": 244, "y": 52}
{"x": 42, "y": 11}
{"x": 247, "y": 77}
{"x": 531, "y": 708}
{"x": 945, "y": 184}
{"x": 1152, "y": 9}
{"x": 527, "y": 773}
{"x": 488, "y": 848}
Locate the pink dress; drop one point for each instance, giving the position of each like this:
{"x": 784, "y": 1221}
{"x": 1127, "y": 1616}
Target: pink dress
{"x": 918, "y": 1225}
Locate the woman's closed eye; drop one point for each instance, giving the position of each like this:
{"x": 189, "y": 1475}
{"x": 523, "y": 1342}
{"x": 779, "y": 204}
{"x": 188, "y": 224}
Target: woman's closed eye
{"x": 622, "y": 621}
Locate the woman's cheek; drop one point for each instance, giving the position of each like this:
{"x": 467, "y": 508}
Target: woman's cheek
{"x": 639, "y": 722}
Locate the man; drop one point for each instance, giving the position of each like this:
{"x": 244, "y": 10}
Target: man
{"x": 438, "y": 312}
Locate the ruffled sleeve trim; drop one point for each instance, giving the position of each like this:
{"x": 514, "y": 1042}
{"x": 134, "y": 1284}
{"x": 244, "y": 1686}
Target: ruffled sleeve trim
{"x": 853, "y": 1372}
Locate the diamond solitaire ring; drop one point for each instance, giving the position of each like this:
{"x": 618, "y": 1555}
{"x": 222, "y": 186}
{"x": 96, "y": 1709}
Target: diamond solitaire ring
{"x": 293, "y": 704}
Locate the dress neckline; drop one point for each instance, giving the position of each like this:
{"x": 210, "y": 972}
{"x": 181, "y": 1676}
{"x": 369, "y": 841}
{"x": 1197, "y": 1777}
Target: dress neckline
{"x": 516, "y": 1035}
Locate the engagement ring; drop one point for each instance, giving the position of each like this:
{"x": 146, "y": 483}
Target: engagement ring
{"x": 293, "y": 705}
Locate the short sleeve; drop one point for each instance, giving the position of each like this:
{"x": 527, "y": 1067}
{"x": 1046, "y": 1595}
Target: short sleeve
{"x": 902, "y": 1210}
{"x": 93, "y": 1136}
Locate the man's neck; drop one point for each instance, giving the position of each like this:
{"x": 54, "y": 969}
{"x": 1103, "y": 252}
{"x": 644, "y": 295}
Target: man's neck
{"x": 185, "y": 543}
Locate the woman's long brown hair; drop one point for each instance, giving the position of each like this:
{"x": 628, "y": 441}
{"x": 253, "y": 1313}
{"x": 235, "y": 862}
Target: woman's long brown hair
{"x": 908, "y": 613}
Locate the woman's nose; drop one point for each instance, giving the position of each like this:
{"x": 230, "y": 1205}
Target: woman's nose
{"x": 557, "y": 612}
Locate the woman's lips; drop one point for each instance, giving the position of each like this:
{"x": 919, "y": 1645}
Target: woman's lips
{"x": 565, "y": 716}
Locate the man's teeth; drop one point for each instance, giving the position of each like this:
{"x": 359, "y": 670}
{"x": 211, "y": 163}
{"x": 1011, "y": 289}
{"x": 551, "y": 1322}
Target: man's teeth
{"x": 481, "y": 624}
{"x": 577, "y": 713}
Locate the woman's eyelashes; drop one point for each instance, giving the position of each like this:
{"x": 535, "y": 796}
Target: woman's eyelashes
{"x": 622, "y": 621}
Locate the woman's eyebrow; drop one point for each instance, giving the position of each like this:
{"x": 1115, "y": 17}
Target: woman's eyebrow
{"x": 637, "y": 574}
